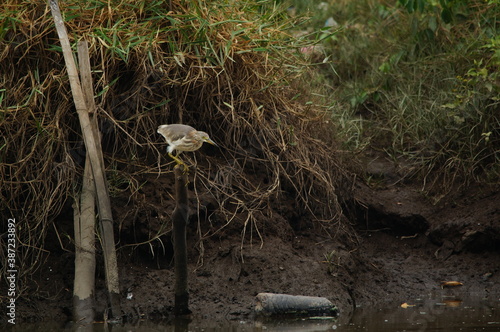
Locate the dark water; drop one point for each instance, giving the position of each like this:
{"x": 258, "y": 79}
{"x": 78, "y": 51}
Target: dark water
{"x": 425, "y": 315}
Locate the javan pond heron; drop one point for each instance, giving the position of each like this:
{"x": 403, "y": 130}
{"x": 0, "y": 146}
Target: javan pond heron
{"x": 183, "y": 138}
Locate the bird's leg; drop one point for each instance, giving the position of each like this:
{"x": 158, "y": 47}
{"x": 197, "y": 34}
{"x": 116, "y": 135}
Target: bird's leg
{"x": 179, "y": 162}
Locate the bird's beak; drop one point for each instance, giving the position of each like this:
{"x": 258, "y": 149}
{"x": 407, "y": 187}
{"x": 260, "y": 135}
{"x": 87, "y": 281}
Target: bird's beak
{"x": 211, "y": 142}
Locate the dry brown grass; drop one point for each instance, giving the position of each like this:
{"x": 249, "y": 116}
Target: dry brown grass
{"x": 228, "y": 69}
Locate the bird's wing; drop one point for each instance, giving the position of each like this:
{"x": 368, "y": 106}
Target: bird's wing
{"x": 174, "y": 132}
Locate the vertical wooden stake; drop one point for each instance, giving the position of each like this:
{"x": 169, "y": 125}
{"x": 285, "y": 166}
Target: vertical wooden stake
{"x": 180, "y": 218}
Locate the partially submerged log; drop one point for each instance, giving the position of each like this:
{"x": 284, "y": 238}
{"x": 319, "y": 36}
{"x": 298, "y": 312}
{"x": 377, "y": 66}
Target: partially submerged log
{"x": 283, "y": 304}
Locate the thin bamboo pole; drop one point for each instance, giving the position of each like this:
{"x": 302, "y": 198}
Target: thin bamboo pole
{"x": 84, "y": 225}
{"x": 94, "y": 151}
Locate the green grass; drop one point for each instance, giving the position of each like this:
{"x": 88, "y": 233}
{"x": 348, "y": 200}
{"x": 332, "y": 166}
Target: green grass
{"x": 418, "y": 80}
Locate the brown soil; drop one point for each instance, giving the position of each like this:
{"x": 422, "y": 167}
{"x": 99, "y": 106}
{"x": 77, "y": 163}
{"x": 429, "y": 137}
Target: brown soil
{"x": 404, "y": 249}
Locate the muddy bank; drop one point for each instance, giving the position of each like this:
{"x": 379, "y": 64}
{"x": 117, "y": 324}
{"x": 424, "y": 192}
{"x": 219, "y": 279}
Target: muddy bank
{"x": 404, "y": 248}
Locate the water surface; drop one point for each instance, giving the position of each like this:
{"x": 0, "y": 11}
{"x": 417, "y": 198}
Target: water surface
{"x": 447, "y": 314}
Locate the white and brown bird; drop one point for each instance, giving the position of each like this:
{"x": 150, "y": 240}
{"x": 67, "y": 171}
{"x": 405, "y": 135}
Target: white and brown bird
{"x": 182, "y": 137}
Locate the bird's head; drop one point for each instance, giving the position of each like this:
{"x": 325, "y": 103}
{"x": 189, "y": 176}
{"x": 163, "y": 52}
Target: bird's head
{"x": 203, "y": 136}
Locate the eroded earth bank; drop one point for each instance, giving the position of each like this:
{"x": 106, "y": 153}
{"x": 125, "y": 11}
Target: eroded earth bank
{"x": 404, "y": 247}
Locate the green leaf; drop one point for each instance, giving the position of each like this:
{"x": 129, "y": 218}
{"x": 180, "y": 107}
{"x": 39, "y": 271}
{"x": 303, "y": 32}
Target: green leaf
{"x": 410, "y": 6}
{"x": 420, "y": 4}
{"x": 385, "y": 67}
{"x": 433, "y": 23}
{"x": 450, "y": 105}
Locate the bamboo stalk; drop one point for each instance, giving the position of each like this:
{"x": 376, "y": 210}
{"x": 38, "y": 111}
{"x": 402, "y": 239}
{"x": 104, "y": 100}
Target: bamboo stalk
{"x": 84, "y": 225}
{"x": 94, "y": 152}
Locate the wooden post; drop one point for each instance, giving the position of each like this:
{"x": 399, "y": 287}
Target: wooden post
{"x": 180, "y": 218}
{"x": 94, "y": 152}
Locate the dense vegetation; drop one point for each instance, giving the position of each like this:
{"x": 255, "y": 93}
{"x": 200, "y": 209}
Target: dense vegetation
{"x": 418, "y": 79}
